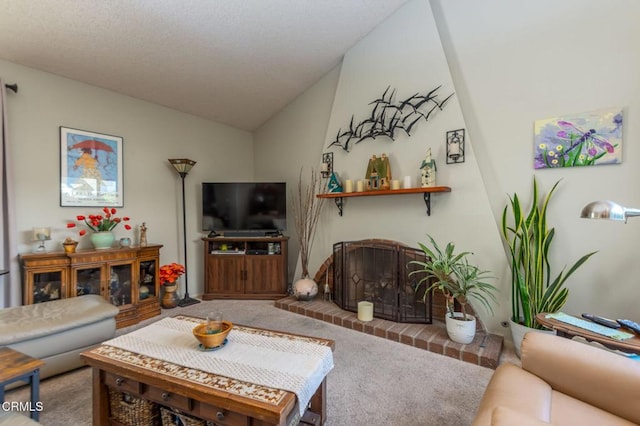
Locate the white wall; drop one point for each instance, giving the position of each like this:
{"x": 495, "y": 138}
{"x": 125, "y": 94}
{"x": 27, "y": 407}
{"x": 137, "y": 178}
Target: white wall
{"x": 293, "y": 140}
{"x": 405, "y": 52}
{"x": 516, "y": 62}
{"x": 152, "y": 134}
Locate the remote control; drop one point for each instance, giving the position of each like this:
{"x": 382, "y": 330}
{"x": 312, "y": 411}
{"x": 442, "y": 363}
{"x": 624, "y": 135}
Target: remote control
{"x": 631, "y": 325}
{"x": 601, "y": 320}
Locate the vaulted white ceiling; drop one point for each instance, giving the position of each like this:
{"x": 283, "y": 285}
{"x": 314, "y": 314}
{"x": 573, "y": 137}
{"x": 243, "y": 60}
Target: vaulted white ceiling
{"x": 236, "y": 62}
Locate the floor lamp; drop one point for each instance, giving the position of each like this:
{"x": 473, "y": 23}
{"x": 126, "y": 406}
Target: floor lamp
{"x": 608, "y": 210}
{"x": 182, "y": 166}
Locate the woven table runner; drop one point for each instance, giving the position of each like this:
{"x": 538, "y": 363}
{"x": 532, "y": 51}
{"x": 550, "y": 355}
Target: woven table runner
{"x": 293, "y": 363}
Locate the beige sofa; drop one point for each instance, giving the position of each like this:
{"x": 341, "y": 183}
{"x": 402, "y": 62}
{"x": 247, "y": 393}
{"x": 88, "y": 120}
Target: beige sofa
{"x": 57, "y": 331}
{"x": 562, "y": 382}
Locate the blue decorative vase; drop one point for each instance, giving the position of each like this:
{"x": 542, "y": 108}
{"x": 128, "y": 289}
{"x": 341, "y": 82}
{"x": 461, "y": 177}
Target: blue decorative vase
{"x": 102, "y": 240}
{"x": 143, "y": 292}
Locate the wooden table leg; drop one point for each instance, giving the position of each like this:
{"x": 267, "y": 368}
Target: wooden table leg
{"x": 318, "y": 403}
{"x": 100, "y": 400}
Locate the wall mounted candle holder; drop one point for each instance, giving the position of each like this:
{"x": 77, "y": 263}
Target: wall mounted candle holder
{"x": 455, "y": 146}
{"x": 326, "y": 169}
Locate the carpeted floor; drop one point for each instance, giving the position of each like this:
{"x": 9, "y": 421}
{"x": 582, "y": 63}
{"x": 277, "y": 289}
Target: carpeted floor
{"x": 375, "y": 381}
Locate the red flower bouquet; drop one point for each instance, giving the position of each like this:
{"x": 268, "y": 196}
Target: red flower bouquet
{"x": 101, "y": 222}
{"x": 170, "y": 273}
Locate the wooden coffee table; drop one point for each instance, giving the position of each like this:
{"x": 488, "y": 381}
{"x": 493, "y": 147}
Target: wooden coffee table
{"x": 563, "y": 329}
{"x": 157, "y": 381}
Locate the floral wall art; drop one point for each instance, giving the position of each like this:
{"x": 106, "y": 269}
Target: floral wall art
{"x": 586, "y": 139}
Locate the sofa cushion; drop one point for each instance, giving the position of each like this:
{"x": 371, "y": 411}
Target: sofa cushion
{"x": 566, "y": 410}
{"x": 564, "y": 363}
{"x": 518, "y": 390}
{"x": 33, "y": 321}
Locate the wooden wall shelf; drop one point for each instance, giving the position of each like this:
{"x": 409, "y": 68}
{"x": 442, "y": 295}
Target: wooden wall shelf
{"x": 339, "y": 197}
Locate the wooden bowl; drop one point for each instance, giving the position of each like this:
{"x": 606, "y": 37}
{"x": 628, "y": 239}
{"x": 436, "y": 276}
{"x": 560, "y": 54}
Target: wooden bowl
{"x": 212, "y": 340}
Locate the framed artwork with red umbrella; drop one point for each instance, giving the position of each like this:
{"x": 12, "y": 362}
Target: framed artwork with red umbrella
{"x": 90, "y": 169}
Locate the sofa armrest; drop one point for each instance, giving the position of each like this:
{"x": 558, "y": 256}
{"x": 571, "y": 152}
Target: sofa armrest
{"x": 595, "y": 376}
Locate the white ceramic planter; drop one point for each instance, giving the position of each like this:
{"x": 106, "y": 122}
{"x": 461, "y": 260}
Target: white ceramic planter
{"x": 518, "y": 331}
{"x": 461, "y": 331}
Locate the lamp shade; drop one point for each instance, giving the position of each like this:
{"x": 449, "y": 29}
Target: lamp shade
{"x": 41, "y": 234}
{"x": 607, "y": 210}
{"x": 182, "y": 165}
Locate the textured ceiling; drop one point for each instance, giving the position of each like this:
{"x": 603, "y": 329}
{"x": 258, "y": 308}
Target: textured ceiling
{"x": 236, "y": 62}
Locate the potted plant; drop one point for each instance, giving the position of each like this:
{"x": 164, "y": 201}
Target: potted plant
{"x": 534, "y": 288}
{"x": 458, "y": 280}
{"x": 101, "y": 225}
{"x": 306, "y": 213}
{"x": 169, "y": 275}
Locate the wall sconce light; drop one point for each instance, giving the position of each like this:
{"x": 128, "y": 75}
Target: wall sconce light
{"x": 455, "y": 146}
{"x": 326, "y": 168}
{"x": 41, "y": 235}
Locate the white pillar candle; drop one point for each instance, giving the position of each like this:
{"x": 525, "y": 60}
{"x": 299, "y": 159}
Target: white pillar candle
{"x": 359, "y": 186}
{"x": 348, "y": 185}
{"x": 365, "y": 311}
{"x": 324, "y": 167}
{"x": 395, "y": 184}
{"x": 407, "y": 182}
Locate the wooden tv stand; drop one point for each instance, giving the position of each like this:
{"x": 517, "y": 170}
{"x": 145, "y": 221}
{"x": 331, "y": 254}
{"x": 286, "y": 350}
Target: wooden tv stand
{"x": 245, "y": 267}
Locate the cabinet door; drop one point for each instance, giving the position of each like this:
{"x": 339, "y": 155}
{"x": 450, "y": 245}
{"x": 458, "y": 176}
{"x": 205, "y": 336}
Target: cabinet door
{"x": 88, "y": 279}
{"x": 264, "y": 275}
{"x": 148, "y": 278}
{"x": 120, "y": 288}
{"x": 45, "y": 284}
{"x": 225, "y": 274}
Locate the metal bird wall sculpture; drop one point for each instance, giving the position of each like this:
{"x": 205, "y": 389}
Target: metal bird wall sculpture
{"x": 389, "y": 118}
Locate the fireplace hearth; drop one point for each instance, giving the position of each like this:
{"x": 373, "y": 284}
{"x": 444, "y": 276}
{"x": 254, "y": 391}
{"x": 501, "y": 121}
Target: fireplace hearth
{"x": 484, "y": 350}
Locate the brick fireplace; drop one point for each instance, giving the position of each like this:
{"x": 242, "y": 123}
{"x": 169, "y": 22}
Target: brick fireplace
{"x": 374, "y": 284}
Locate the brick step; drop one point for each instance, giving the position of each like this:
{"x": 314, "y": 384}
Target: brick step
{"x": 484, "y": 350}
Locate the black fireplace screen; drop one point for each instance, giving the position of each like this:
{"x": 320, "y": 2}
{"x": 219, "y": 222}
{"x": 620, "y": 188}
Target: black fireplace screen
{"x": 379, "y": 273}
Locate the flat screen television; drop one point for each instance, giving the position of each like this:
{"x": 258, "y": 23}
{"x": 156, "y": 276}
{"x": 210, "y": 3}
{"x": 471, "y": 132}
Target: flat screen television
{"x": 244, "y": 206}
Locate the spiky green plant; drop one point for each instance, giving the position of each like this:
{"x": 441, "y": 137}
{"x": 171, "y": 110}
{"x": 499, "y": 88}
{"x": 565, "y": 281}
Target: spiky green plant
{"x": 451, "y": 273}
{"x": 528, "y": 238}
{"x": 470, "y": 284}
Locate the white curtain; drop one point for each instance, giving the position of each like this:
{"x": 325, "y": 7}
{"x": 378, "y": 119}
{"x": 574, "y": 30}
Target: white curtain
{"x": 10, "y": 287}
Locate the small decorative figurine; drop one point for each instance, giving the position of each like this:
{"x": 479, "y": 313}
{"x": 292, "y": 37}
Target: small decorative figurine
{"x": 429, "y": 169}
{"x": 143, "y": 234}
{"x": 378, "y": 173}
{"x": 334, "y": 184}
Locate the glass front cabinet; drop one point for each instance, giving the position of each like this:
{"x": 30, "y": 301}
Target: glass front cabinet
{"x": 127, "y": 277}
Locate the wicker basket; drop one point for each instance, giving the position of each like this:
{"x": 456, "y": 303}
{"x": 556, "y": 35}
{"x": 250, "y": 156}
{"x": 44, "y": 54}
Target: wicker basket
{"x": 131, "y": 410}
{"x": 175, "y": 418}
